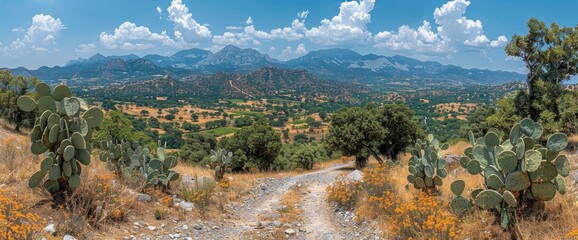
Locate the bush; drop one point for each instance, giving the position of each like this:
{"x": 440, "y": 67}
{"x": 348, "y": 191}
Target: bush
{"x": 16, "y": 220}
{"x": 200, "y": 194}
{"x": 425, "y": 217}
{"x": 344, "y": 193}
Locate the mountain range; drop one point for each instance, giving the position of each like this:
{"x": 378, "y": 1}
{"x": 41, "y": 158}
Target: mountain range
{"x": 268, "y": 81}
{"x": 331, "y": 64}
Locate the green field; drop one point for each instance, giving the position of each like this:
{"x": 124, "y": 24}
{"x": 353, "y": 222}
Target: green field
{"x": 249, "y": 113}
{"x": 217, "y": 132}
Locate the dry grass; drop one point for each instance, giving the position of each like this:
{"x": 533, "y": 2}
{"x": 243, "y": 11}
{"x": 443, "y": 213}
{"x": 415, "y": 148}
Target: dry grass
{"x": 558, "y": 220}
{"x": 290, "y": 199}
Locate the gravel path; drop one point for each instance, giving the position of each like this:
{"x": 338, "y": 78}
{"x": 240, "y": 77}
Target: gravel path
{"x": 319, "y": 220}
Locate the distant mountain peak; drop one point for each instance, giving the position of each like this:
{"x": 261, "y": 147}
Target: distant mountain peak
{"x": 231, "y": 47}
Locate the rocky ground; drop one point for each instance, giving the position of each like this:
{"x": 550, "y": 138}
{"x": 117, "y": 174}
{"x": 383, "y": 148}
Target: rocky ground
{"x": 254, "y": 217}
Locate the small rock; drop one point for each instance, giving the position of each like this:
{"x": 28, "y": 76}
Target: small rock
{"x": 188, "y": 238}
{"x": 277, "y": 223}
{"x": 197, "y": 227}
{"x": 171, "y": 236}
{"x": 185, "y": 227}
{"x": 177, "y": 235}
{"x": 68, "y": 237}
{"x": 186, "y": 205}
{"x": 289, "y": 231}
{"x": 152, "y": 228}
{"x": 452, "y": 158}
{"x": 50, "y": 229}
{"x": 144, "y": 197}
{"x": 355, "y": 176}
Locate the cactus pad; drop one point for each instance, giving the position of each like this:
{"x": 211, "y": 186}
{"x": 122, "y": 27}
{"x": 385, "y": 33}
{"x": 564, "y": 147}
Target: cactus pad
{"x": 457, "y": 187}
{"x": 474, "y": 167}
{"x": 545, "y": 173}
{"x": 517, "y": 181}
{"x": 510, "y": 199}
{"x": 557, "y": 142}
{"x": 488, "y": 199}
{"x": 494, "y": 182}
{"x": 560, "y": 185}
{"x": 533, "y": 160}
{"x": 563, "y": 166}
{"x": 26, "y": 103}
{"x": 60, "y": 92}
{"x": 492, "y": 139}
{"x": 460, "y": 204}
{"x": 543, "y": 191}
{"x": 508, "y": 161}
{"x": 527, "y": 126}
{"x": 36, "y": 178}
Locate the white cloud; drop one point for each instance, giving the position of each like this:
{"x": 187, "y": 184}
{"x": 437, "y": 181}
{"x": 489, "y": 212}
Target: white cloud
{"x": 500, "y": 42}
{"x": 454, "y": 32}
{"x": 186, "y": 28}
{"x": 85, "y": 48}
{"x": 40, "y": 37}
{"x": 303, "y": 14}
{"x": 289, "y": 53}
{"x": 130, "y": 36}
{"x": 272, "y": 49}
{"x": 249, "y": 21}
{"x": 301, "y": 50}
{"x": 348, "y": 27}
{"x": 250, "y": 35}
{"x": 18, "y": 29}
{"x": 160, "y": 11}
{"x": 238, "y": 39}
{"x": 233, "y": 28}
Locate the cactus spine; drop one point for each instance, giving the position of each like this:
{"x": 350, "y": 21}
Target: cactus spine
{"x": 62, "y": 133}
{"x": 515, "y": 171}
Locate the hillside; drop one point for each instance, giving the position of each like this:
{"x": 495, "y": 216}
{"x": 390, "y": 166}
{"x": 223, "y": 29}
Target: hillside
{"x": 264, "y": 82}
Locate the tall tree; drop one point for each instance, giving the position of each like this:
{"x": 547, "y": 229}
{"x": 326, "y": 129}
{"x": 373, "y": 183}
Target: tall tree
{"x": 401, "y": 132}
{"x": 254, "y": 146}
{"x": 356, "y": 132}
{"x": 550, "y": 55}
{"x": 11, "y": 88}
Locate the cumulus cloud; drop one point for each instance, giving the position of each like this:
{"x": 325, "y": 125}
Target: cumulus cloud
{"x": 160, "y": 11}
{"x": 454, "y": 32}
{"x": 500, "y": 42}
{"x": 300, "y": 49}
{"x": 130, "y": 36}
{"x": 289, "y": 53}
{"x": 249, "y": 21}
{"x": 349, "y": 26}
{"x": 40, "y": 37}
{"x": 251, "y": 35}
{"x": 186, "y": 28}
{"x": 83, "y": 49}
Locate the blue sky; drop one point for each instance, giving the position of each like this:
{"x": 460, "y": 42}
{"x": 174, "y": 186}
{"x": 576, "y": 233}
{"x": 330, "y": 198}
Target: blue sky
{"x": 468, "y": 33}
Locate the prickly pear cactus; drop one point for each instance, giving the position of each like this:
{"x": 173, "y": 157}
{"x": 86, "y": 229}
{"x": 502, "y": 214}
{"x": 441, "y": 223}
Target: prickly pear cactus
{"x": 515, "y": 170}
{"x": 426, "y": 166}
{"x": 62, "y": 133}
{"x": 119, "y": 157}
{"x": 220, "y": 162}
{"x": 159, "y": 170}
